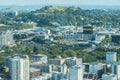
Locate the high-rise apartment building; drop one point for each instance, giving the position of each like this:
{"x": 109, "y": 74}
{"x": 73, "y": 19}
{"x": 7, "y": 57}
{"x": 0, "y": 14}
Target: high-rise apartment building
{"x": 76, "y": 72}
{"x": 18, "y": 67}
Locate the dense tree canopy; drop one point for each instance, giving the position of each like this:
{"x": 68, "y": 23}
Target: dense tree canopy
{"x": 53, "y": 16}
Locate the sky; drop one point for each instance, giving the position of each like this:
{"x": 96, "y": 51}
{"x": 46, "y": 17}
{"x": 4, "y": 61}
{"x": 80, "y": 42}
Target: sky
{"x": 68, "y": 2}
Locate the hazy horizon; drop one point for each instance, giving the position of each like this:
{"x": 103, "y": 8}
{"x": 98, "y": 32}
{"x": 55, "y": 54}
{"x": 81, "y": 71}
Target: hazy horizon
{"x": 34, "y": 7}
{"x": 37, "y": 4}
{"x": 60, "y": 2}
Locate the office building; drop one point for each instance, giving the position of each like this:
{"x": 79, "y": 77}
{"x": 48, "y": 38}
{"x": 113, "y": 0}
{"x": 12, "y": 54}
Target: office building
{"x": 116, "y": 38}
{"x": 96, "y": 68}
{"x": 6, "y": 38}
{"x": 89, "y": 30}
{"x": 88, "y": 36}
{"x": 42, "y": 67}
{"x": 89, "y": 33}
{"x": 116, "y": 69}
{"x": 40, "y": 58}
{"x": 73, "y": 36}
{"x": 57, "y": 75}
{"x": 56, "y": 61}
{"x": 111, "y": 56}
{"x": 72, "y": 61}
